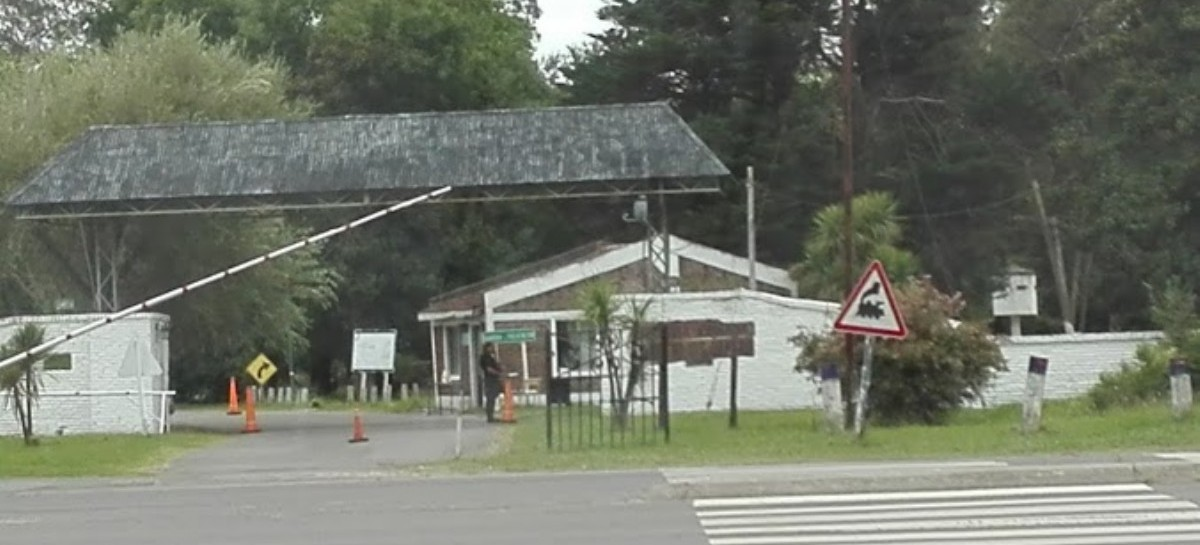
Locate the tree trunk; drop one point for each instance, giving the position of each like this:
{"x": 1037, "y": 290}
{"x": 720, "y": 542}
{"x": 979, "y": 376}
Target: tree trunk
{"x": 25, "y": 415}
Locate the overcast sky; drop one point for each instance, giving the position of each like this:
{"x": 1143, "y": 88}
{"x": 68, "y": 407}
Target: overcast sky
{"x": 566, "y": 22}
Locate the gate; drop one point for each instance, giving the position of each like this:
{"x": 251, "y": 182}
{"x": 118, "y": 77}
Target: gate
{"x": 615, "y": 395}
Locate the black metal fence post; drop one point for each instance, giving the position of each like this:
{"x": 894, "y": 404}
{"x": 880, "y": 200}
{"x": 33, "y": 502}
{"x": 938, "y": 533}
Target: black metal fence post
{"x": 547, "y": 390}
{"x": 664, "y": 404}
{"x": 733, "y": 384}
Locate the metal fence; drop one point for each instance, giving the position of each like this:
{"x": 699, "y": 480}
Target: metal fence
{"x": 616, "y": 398}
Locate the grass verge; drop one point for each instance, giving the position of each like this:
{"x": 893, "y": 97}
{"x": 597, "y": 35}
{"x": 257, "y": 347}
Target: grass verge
{"x": 778, "y": 437}
{"x": 96, "y": 455}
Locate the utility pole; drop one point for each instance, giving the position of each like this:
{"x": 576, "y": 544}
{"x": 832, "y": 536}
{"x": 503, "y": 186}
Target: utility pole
{"x": 848, "y": 378}
{"x": 751, "y": 234}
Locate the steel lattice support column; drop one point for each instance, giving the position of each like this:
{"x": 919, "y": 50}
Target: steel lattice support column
{"x": 104, "y": 253}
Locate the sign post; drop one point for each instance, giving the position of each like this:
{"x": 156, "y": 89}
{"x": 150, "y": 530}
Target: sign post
{"x": 261, "y": 369}
{"x": 515, "y": 336}
{"x": 373, "y": 350}
{"x": 870, "y": 311}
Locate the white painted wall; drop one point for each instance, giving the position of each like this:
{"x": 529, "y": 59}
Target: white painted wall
{"x": 1076, "y": 362}
{"x": 768, "y": 381}
{"x": 96, "y": 359}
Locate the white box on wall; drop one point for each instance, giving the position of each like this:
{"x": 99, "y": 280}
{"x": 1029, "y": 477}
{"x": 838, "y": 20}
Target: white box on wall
{"x": 1019, "y": 296}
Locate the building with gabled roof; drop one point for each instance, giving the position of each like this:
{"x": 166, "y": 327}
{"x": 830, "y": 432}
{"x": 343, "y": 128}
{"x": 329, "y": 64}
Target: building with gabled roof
{"x": 543, "y": 296}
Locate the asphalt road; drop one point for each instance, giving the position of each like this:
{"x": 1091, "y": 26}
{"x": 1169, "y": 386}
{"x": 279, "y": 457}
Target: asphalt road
{"x": 576, "y": 510}
{"x": 627, "y": 508}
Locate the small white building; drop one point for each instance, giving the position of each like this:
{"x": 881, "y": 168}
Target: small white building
{"x": 90, "y": 384}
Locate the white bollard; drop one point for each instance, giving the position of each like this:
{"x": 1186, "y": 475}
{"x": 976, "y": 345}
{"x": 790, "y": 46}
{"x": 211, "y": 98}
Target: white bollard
{"x": 1181, "y": 388}
{"x": 831, "y": 398}
{"x": 1035, "y": 389}
{"x": 416, "y": 390}
{"x": 304, "y": 396}
{"x": 458, "y": 436}
{"x": 403, "y": 391}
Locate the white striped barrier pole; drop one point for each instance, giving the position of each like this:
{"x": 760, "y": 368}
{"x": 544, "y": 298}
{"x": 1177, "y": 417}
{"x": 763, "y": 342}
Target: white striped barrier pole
{"x": 46, "y": 346}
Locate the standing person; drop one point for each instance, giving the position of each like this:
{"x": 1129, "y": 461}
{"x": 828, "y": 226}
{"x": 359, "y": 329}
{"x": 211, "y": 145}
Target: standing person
{"x": 493, "y": 373}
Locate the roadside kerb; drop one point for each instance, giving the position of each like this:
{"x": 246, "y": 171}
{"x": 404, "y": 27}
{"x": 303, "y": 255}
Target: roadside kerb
{"x": 710, "y": 482}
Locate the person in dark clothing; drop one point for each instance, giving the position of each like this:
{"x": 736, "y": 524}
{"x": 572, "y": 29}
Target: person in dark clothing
{"x": 493, "y": 373}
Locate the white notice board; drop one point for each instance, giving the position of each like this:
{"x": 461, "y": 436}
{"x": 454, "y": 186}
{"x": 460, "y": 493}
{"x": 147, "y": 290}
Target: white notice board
{"x": 374, "y": 350}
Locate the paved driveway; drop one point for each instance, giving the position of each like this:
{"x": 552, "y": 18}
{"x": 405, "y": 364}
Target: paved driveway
{"x": 313, "y": 444}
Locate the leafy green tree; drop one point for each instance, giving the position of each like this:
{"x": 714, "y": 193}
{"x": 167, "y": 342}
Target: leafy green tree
{"x": 382, "y": 56}
{"x": 924, "y": 378}
{"x": 750, "y": 78}
{"x": 280, "y": 29}
{"x": 32, "y": 26}
{"x": 170, "y": 75}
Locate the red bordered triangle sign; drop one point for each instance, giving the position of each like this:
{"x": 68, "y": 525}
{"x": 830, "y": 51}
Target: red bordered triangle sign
{"x": 871, "y": 308}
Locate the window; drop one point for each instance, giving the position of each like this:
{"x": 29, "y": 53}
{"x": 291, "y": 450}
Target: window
{"x": 459, "y": 356}
{"x": 576, "y": 346}
{"x": 57, "y": 362}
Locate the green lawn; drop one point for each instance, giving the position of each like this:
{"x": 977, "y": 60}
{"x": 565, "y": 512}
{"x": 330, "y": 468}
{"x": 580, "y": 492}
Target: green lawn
{"x": 773, "y": 437}
{"x": 95, "y": 455}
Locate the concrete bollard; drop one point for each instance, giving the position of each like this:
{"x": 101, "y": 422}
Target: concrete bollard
{"x": 831, "y": 398}
{"x": 1035, "y": 390}
{"x": 304, "y": 396}
{"x": 416, "y": 390}
{"x": 349, "y": 393}
{"x": 387, "y": 392}
{"x": 1181, "y": 388}
{"x": 403, "y": 391}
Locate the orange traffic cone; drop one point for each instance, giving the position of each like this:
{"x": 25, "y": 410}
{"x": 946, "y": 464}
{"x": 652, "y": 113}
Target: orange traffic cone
{"x": 507, "y": 414}
{"x": 251, "y": 417}
{"x": 233, "y": 398}
{"x": 359, "y": 435}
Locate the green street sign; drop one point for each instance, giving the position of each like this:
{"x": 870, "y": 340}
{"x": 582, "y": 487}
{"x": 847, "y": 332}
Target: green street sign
{"x": 510, "y": 336}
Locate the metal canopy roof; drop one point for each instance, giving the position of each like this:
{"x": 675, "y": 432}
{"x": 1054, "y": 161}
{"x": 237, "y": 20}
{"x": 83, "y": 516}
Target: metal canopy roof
{"x": 524, "y": 154}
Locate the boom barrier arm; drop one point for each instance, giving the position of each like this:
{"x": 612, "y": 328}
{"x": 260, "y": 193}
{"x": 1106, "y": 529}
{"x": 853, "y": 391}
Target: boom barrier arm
{"x": 46, "y": 346}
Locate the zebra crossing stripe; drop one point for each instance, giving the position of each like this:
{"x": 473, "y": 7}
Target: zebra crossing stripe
{"x": 1108, "y": 514}
{"x": 715, "y": 513}
{"x": 1192, "y": 531}
{"x": 920, "y": 495}
{"x": 1032, "y": 510}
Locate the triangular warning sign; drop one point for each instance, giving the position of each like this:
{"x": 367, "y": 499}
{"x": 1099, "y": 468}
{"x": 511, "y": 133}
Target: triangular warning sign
{"x": 139, "y": 361}
{"x": 871, "y": 308}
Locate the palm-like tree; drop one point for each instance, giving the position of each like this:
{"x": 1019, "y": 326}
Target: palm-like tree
{"x": 877, "y": 234}
{"x": 20, "y": 382}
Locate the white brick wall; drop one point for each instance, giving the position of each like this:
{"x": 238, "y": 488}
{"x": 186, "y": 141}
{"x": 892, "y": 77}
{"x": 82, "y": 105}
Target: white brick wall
{"x": 1076, "y": 362}
{"x": 768, "y": 381}
{"x": 96, "y": 359}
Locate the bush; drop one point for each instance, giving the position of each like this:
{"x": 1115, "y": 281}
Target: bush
{"x": 1142, "y": 381}
{"x": 1147, "y": 378}
{"x": 924, "y": 378}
